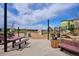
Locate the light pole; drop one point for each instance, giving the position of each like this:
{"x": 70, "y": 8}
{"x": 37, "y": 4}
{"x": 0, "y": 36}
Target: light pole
{"x": 48, "y": 29}
{"x": 5, "y": 27}
{"x": 59, "y": 31}
{"x": 18, "y": 31}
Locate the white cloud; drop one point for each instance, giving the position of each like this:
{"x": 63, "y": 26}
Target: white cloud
{"x": 22, "y": 8}
{"x": 40, "y": 14}
{"x": 1, "y": 18}
{"x": 10, "y": 19}
{"x": 38, "y": 26}
{"x": 29, "y": 16}
{"x": 51, "y": 11}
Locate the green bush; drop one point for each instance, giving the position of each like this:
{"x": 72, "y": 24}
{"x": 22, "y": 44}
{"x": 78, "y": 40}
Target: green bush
{"x": 71, "y": 27}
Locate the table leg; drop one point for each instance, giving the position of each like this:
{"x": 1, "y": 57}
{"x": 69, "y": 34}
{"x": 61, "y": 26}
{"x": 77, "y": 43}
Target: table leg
{"x": 25, "y": 42}
{"x": 19, "y": 44}
{"x": 13, "y": 44}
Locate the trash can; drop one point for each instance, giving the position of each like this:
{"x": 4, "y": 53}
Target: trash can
{"x": 54, "y": 42}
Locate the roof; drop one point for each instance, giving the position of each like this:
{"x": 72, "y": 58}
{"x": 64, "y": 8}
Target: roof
{"x": 70, "y": 19}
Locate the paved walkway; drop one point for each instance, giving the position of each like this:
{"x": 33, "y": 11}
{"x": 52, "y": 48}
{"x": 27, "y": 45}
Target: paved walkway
{"x": 35, "y": 48}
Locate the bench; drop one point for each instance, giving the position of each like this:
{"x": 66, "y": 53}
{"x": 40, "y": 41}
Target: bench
{"x": 71, "y": 46}
{"x": 23, "y": 40}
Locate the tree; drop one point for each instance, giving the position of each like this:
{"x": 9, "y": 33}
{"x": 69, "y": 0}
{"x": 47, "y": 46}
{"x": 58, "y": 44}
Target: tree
{"x": 70, "y": 26}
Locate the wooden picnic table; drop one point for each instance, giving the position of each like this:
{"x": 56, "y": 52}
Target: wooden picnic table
{"x": 15, "y": 40}
{"x": 12, "y": 39}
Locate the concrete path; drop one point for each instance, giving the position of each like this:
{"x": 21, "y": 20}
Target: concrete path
{"x": 34, "y": 48}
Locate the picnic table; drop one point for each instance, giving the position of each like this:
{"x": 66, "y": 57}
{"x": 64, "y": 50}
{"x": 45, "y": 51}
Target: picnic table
{"x": 14, "y": 39}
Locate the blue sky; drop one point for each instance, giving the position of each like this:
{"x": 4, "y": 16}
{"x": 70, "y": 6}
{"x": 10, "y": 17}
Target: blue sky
{"x": 35, "y": 15}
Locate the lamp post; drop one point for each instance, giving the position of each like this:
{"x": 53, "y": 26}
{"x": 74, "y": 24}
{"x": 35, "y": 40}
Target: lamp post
{"x": 5, "y": 27}
{"x": 48, "y": 29}
{"x": 59, "y": 31}
{"x": 18, "y": 31}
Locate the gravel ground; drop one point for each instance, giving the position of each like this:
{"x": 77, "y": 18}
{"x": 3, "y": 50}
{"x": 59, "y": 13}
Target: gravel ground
{"x": 33, "y": 48}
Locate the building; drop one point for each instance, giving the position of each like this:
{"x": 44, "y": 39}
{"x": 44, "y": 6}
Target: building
{"x": 76, "y": 23}
{"x": 65, "y": 24}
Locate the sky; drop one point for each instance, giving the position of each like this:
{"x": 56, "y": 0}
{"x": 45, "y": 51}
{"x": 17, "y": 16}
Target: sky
{"x": 36, "y": 15}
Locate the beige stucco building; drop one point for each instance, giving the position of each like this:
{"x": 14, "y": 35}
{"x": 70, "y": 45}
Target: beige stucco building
{"x": 75, "y": 22}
